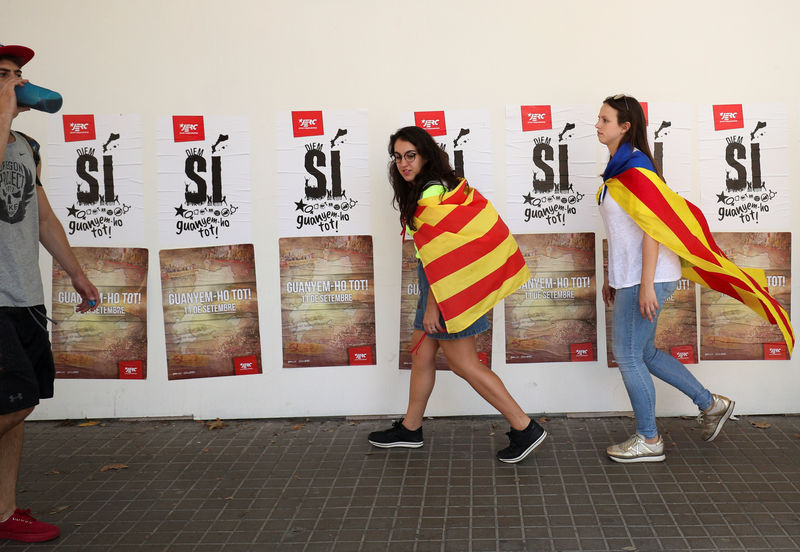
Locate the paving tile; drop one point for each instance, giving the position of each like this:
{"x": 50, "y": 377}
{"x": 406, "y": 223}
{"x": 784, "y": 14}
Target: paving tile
{"x": 261, "y": 485}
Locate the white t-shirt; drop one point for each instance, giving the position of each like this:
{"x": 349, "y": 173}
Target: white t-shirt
{"x": 625, "y": 249}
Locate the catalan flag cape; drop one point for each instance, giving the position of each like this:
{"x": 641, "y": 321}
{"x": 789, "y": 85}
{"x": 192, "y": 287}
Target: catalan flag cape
{"x": 681, "y": 226}
{"x": 470, "y": 258}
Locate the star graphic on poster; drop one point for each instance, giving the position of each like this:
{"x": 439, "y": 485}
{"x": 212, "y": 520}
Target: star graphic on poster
{"x": 179, "y": 211}
{"x": 73, "y": 212}
{"x": 300, "y": 205}
{"x": 528, "y": 198}
{"x": 721, "y": 197}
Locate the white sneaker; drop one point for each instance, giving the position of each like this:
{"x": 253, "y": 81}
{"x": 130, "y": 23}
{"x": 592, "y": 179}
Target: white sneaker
{"x": 636, "y": 449}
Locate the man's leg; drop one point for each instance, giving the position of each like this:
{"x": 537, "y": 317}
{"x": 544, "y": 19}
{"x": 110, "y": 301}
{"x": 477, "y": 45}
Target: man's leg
{"x": 11, "y": 436}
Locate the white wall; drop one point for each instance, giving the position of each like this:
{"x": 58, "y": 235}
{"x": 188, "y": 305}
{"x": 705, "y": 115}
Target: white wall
{"x": 254, "y": 58}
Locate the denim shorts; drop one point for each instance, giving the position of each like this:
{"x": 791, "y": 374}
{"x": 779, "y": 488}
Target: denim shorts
{"x": 479, "y": 326}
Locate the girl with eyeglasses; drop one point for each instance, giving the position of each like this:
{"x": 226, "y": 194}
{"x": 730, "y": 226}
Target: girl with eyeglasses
{"x": 642, "y": 274}
{"x": 422, "y": 178}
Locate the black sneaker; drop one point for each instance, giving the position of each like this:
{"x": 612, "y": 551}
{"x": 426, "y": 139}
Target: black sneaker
{"x": 396, "y": 436}
{"x": 522, "y": 443}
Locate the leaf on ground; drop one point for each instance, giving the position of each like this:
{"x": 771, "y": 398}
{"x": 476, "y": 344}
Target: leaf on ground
{"x": 89, "y": 423}
{"x": 295, "y": 427}
{"x": 761, "y": 425}
{"x": 216, "y": 424}
{"x": 516, "y": 480}
{"x": 53, "y": 472}
{"x": 204, "y": 450}
{"x": 630, "y": 549}
{"x": 108, "y": 467}
{"x": 796, "y": 435}
{"x": 58, "y": 509}
{"x": 543, "y": 419}
{"x": 228, "y": 498}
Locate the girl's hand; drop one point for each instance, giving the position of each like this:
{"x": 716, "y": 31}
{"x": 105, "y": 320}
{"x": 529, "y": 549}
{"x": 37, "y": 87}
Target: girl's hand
{"x": 431, "y": 319}
{"x": 608, "y": 294}
{"x": 648, "y": 302}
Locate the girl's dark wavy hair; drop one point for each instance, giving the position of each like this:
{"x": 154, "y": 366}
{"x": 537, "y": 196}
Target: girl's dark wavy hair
{"x": 629, "y": 110}
{"x": 436, "y": 166}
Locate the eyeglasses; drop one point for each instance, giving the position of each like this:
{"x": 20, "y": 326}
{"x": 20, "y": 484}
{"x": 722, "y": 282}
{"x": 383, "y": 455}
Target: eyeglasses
{"x": 408, "y": 156}
{"x": 620, "y": 97}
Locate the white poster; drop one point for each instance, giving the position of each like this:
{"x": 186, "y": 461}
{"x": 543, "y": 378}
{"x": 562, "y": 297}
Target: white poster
{"x": 551, "y": 168}
{"x": 203, "y": 181}
{"x": 465, "y": 135}
{"x": 94, "y": 184}
{"x": 744, "y": 181}
{"x": 669, "y": 131}
{"x": 323, "y": 173}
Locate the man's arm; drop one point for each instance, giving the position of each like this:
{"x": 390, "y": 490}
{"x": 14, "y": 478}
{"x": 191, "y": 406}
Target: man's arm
{"x": 54, "y": 239}
{"x": 8, "y": 109}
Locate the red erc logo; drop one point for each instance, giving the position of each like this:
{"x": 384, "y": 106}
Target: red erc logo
{"x": 245, "y": 365}
{"x": 728, "y": 116}
{"x": 581, "y": 352}
{"x": 360, "y": 355}
{"x": 775, "y": 351}
{"x": 536, "y": 117}
{"x": 683, "y": 354}
{"x": 307, "y": 123}
{"x": 188, "y": 128}
{"x": 78, "y": 128}
{"x": 432, "y": 121}
{"x": 131, "y": 369}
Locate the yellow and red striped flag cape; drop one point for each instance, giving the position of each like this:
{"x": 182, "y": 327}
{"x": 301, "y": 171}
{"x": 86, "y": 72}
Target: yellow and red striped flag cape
{"x": 470, "y": 258}
{"x": 681, "y": 226}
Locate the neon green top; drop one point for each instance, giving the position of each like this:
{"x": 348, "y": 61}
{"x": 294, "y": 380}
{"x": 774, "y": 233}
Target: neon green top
{"x": 430, "y": 191}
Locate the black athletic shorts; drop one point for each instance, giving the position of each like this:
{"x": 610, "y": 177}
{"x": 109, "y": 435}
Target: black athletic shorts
{"x": 26, "y": 359}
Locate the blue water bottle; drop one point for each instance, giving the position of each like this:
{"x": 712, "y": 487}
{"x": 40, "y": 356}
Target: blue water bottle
{"x": 36, "y": 97}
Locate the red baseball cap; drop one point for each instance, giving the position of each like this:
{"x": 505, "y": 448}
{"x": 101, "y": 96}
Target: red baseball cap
{"x": 22, "y": 53}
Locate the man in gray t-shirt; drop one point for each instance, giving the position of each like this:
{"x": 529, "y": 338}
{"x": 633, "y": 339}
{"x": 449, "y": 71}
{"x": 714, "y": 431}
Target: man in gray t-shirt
{"x": 26, "y": 361}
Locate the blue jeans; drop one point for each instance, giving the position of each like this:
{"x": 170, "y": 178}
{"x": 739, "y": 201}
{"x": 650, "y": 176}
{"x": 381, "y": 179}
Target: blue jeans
{"x": 635, "y": 352}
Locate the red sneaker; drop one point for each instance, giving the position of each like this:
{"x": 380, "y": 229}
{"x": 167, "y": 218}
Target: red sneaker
{"x": 23, "y": 527}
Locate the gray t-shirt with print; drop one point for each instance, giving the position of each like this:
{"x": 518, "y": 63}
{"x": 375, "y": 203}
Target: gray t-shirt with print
{"x": 20, "y": 279}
